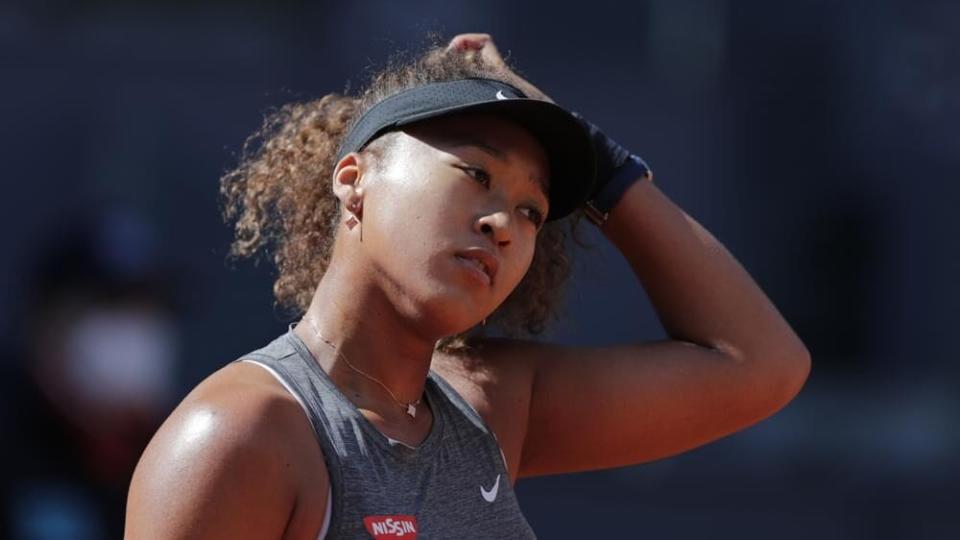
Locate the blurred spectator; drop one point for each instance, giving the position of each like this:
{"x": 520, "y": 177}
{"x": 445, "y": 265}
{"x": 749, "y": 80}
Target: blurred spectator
{"x": 90, "y": 381}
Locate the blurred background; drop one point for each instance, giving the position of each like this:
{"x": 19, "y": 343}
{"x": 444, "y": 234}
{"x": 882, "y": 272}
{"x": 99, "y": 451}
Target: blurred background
{"x": 818, "y": 140}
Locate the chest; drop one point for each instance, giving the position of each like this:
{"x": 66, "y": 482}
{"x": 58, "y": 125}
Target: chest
{"x": 459, "y": 491}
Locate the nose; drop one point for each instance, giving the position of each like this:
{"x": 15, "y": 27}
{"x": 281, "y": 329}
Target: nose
{"x": 495, "y": 225}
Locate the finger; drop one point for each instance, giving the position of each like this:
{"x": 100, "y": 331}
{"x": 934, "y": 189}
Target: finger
{"x": 490, "y": 53}
{"x": 469, "y": 44}
{"x": 465, "y": 42}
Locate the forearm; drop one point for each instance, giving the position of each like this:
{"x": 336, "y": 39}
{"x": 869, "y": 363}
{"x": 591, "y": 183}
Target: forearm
{"x": 699, "y": 291}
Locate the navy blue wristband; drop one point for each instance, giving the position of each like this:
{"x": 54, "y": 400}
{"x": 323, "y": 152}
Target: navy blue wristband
{"x": 616, "y": 170}
{"x": 598, "y": 208}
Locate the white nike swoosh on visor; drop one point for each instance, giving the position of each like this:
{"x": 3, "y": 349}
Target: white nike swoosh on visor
{"x": 500, "y": 95}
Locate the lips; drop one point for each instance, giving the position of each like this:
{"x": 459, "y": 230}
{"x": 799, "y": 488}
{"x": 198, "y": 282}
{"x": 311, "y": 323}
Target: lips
{"x": 481, "y": 260}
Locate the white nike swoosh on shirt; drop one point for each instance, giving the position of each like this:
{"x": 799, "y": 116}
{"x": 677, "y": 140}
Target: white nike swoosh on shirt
{"x": 491, "y": 495}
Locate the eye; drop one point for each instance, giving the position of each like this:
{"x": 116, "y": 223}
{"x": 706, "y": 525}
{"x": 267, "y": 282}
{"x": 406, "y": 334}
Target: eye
{"x": 477, "y": 174}
{"x": 535, "y": 216}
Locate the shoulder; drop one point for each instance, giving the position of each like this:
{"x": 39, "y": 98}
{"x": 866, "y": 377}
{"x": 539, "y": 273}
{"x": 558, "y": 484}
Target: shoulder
{"x": 238, "y": 409}
{"x": 489, "y": 362}
{"x": 235, "y": 437}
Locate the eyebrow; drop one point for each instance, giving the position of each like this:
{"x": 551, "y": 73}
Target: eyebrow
{"x": 481, "y": 144}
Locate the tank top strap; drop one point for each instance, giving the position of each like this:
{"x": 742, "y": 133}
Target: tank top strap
{"x": 282, "y": 358}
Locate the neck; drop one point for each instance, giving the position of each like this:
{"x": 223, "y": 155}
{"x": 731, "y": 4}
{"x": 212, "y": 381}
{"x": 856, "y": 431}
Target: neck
{"x": 364, "y": 327}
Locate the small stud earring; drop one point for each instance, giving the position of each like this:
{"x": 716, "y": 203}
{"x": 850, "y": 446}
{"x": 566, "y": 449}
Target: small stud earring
{"x": 351, "y": 223}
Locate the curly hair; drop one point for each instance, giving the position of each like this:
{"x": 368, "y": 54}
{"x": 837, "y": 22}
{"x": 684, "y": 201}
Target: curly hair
{"x": 279, "y": 205}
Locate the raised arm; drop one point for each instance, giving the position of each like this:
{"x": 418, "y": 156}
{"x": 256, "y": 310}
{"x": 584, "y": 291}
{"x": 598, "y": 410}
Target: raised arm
{"x": 731, "y": 359}
{"x": 701, "y": 294}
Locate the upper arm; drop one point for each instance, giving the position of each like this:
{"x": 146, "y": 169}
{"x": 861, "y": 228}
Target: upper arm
{"x": 594, "y": 408}
{"x": 222, "y": 466}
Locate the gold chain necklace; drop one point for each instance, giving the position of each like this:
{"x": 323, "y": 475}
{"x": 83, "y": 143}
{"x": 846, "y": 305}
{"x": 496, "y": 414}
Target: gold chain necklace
{"x": 410, "y": 407}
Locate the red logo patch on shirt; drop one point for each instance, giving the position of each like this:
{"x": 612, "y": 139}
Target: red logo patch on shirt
{"x": 391, "y": 526}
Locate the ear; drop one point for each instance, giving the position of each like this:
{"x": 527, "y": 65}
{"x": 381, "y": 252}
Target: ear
{"x": 346, "y": 181}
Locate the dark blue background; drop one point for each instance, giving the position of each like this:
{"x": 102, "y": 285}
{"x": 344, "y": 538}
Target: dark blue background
{"x": 817, "y": 140}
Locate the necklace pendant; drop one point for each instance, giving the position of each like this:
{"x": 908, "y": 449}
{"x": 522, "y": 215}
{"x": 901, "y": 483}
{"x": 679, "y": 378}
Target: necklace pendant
{"x": 412, "y": 410}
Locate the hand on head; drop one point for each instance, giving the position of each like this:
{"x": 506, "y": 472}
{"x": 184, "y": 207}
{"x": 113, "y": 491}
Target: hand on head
{"x": 471, "y": 44}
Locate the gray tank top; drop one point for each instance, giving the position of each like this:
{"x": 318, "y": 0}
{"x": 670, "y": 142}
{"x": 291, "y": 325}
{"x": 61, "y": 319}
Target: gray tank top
{"x": 454, "y": 485}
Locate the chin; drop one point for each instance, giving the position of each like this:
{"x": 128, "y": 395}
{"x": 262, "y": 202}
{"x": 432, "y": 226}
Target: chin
{"x": 443, "y": 303}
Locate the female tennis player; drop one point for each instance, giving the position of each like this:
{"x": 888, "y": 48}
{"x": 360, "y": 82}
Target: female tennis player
{"x": 406, "y": 223}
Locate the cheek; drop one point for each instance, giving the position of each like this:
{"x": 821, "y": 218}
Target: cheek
{"x": 410, "y": 213}
{"x": 408, "y": 223}
{"x": 401, "y": 232}
{"x": 517, "y": 268}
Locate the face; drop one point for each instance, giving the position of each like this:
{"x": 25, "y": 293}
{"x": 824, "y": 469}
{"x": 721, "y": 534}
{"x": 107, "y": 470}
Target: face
{"x": 450, "y": 217}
